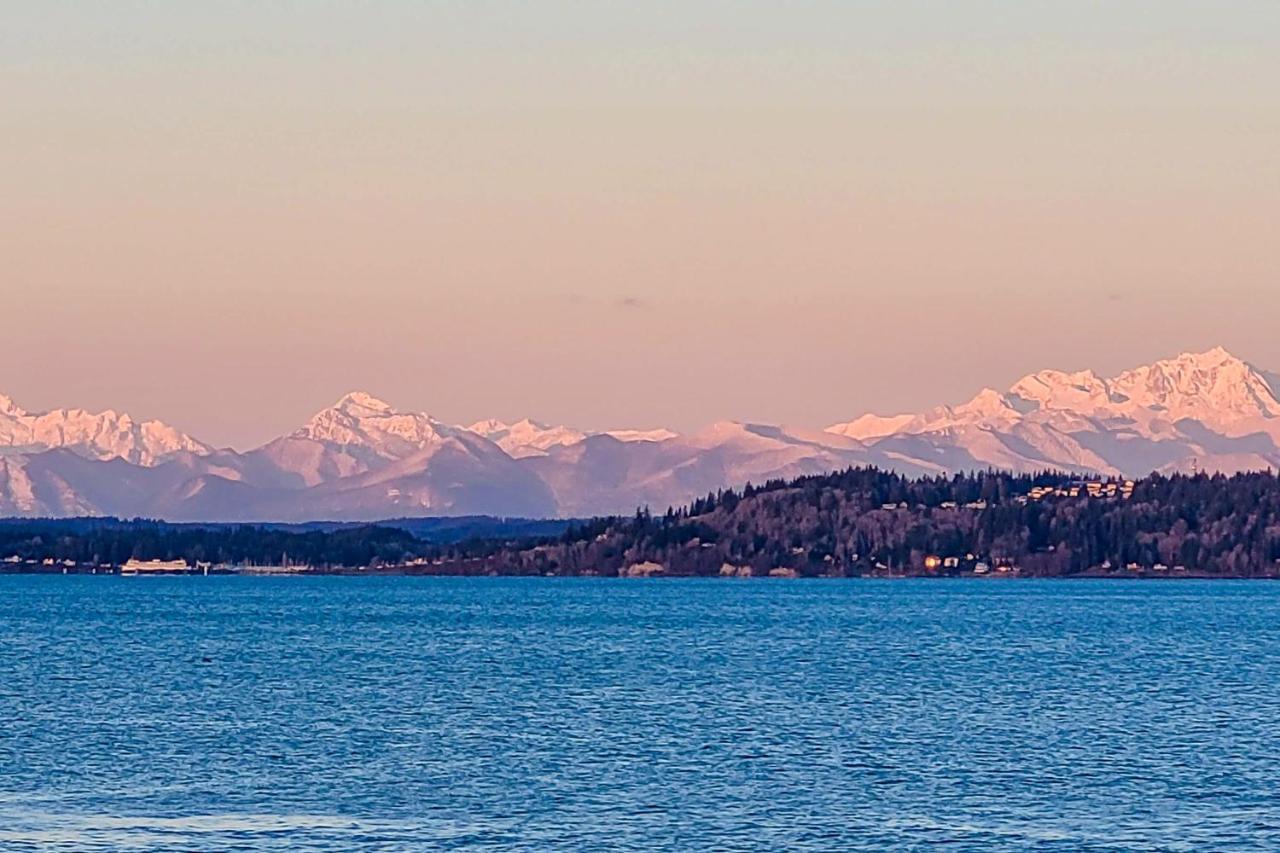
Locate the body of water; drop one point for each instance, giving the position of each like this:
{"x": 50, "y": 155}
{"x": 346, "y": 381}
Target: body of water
{"x": 333, "y": 713}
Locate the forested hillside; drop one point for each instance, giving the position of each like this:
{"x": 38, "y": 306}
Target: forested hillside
{"x": 867, "y": 521}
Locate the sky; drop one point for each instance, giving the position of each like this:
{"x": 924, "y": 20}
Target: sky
{"x": 624, "y": 214}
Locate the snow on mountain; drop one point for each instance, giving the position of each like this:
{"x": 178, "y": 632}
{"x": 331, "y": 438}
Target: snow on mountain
{"x": 362, "y": 420}
{"x": 652, "y": 435}
{"x": 17, "y": 491}
{"x": 104, "y": 435}
{"x": 530, "y": 438}
{"x": 363, "y": 459}
{"x": 988, "y": 407}
{"x": 526, "y": 437}
{"x": 358, "y": 433}
{"x": 1207, "y": 410}
{"x": 1213, "y": 387}
{"x": 602, "y": 474}
{"x": 1083, "y": 392}
{"x": 62, "y": 482}
{"x": 464, "y": 474}
{"x": 868, "y": 427}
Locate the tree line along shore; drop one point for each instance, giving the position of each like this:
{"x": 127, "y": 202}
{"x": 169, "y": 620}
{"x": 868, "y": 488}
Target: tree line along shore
{"x": 851, "y": 523}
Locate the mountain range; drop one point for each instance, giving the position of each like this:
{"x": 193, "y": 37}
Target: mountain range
{"x": 361, "y": 459}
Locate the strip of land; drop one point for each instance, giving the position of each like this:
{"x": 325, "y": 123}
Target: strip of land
{"x": 861, "y": 522}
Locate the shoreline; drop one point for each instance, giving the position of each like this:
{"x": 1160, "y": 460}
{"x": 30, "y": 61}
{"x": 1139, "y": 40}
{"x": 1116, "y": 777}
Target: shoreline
{"x": 398, "y": 571}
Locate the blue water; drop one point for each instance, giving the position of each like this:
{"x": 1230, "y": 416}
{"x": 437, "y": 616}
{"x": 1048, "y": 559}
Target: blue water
{"x": 229, "y": 713}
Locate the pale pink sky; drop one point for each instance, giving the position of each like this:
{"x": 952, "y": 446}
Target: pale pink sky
{"x": 226, "y": 215}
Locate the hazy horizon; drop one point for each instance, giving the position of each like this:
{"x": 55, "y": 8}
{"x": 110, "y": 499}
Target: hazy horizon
{"x": 225, "y": 217}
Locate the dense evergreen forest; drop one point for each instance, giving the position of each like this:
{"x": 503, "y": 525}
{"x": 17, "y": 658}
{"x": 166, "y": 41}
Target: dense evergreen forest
{"x": 854, "y": 522}
{"x": 867, "y": 521}
{"x": 112, "y": 542}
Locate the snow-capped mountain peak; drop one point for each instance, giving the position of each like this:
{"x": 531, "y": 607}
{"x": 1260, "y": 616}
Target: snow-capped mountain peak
{"x": 362, "y": 458}
{"x": 362, "y": 403}
{"x": 104, "y": 435}
{"x": 489, "y": 426}
{"x": 359, "y": 419}
{"x": 526, "y": 437}
{"x": 1214, "y": 387}
{"x": 649, "y": 435}
{"x": 1055, "y": 389}
{"x": 988, "y": 407}
{"x": 987, "y": 404}
{"x": 1196, "y": 410}
{"x": 10, "y": 408}
{"x": 868, "y": 427}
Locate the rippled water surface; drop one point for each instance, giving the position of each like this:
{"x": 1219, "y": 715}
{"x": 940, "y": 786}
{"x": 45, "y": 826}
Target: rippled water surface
{"x": 406, "y": 713}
